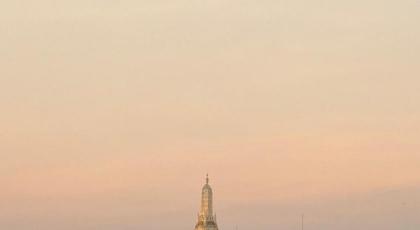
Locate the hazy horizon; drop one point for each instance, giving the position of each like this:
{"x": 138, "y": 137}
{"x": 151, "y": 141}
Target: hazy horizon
{"x": 112, "y": 112}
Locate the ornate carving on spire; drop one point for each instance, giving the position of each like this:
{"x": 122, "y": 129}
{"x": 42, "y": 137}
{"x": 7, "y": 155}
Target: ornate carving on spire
{"x": 206, "y": 219}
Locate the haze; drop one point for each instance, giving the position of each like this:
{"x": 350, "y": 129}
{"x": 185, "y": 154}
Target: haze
{"x": 112, "y": 112}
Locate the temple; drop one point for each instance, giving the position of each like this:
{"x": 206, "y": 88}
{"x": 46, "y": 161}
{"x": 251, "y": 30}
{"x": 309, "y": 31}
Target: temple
{"x": 206, "y": 219}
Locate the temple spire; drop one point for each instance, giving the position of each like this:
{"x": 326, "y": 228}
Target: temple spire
{"x": 206, "y": 219}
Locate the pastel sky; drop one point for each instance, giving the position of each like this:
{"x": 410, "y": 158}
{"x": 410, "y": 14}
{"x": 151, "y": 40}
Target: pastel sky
{"x": 113, "y": 111}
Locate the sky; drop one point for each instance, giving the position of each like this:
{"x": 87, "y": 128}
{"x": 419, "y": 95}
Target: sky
{"x": 112, "y": 112}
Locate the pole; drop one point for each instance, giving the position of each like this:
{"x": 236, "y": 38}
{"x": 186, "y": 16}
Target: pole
{"x": 302, "y": 220}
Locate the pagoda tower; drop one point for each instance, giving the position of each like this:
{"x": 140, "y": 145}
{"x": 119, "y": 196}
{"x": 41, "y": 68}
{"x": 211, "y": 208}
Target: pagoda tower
{"x": 206, "y": 219}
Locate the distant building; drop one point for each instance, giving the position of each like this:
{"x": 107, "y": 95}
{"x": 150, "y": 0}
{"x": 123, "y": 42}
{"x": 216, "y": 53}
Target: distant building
{"x": 206, "y": 220}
